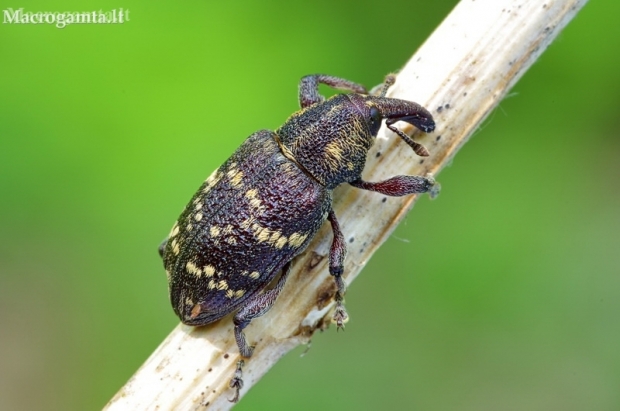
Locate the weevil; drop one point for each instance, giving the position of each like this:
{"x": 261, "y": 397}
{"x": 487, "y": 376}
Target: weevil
{"x": 261, "y": 208}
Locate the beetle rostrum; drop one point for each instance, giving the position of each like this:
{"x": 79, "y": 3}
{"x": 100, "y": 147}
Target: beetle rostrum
{"x": 263, "y": 206}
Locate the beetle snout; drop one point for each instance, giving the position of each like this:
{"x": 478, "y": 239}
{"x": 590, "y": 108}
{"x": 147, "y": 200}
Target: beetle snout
{"x": 424, "y": 123}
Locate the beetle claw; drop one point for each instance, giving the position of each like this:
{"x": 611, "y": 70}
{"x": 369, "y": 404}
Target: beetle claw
{"x": 341, "y": 317}
{"x": 434, "y": 188}
{"x": 237, "y": 382}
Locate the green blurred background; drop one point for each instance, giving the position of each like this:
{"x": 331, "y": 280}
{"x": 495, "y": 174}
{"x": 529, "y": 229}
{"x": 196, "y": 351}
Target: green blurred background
{"x": 503, "y": 294}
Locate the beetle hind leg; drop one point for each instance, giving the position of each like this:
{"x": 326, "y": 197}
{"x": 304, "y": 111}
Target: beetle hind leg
{"x": 253, "y": 308}
{"x": 337, "y": 254}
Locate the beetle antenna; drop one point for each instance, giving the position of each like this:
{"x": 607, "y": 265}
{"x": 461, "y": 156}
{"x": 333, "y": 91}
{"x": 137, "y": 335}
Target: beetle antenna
{"x": 418, "y": 148}
{"x": 390, "y": 79}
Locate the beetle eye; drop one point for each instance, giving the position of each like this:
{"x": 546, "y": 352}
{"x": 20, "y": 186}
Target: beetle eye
{"x": 375, "y": 120}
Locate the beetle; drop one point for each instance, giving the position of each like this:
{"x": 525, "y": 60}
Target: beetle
{"x": 261, "y": 208}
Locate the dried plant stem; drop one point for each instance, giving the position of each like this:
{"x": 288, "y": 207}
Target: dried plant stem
{"x": 460, "y": 74}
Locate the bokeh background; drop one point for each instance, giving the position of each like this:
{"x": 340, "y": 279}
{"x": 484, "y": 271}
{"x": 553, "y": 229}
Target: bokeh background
{"x": 503, "y": 294}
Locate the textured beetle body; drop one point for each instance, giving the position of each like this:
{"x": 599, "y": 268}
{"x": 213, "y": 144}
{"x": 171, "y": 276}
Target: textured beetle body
{"x": 249, "y": 218}
{"x": 262, "y": 207}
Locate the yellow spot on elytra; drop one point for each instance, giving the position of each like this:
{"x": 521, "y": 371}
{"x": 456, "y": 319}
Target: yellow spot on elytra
{"x": 188, "y": 301}
{"x": 231, "y": 240}
{"x": 296, "y": 239}
{"x": 213, "y": 179}
{"x": 176, "y": 249}
{"x": 175, "y": 229}
{"x": 212, "y": 285}
{"x": 255, "y": 202}
{"x": 208, "y": 270}
{"x": 254, "y": 275}
{"x": 281, "y": 242}
{"x": 235, "y": 181}
{"x": 168, "y": 275}
{"x": 222, "y": 285}
{"x": 198, "y": 216}
{"x": 263, "y": 234}
{"x": 192, "y": 269}
{"x": 189, "y": 227}
{"x": 274, "y": 237}
{"x": 212, "y": 176}
{"x": 231, "y": 173}
{"x": 230, "y": 293}
{"x": 198, "y": 206}
{"x": 228, "y": 229}
{"x": 214, "y": 231}
{"x": 239, "y": 293}
{"x": 235, "y": 176}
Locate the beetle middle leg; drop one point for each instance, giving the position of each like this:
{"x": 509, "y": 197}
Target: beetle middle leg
{"x": 337, "y": 253}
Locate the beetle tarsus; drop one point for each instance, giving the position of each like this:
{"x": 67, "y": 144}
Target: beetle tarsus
{"x": 341, "y": 317}
{"x": 237, "y": 382}
{"x": 434, "y": 188}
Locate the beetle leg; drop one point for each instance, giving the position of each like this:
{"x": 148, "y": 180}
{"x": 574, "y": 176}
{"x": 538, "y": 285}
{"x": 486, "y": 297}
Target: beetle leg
{"x": 237, "y": 381}
{"x": 162, "y": 247}
{"x": 309, "y": 88}
{"x": 400, "y": 185}
{"x": 337, "y": 253}
{"x": 254, "y": 307}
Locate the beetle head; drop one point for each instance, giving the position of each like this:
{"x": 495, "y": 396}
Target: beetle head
{"x": 375, "y": 109}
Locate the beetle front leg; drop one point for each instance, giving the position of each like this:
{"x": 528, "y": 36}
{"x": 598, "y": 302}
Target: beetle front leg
{"x": 309, "y": 88}
{"x": 401, "y": 185}
{"x": 337, "y": 254}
